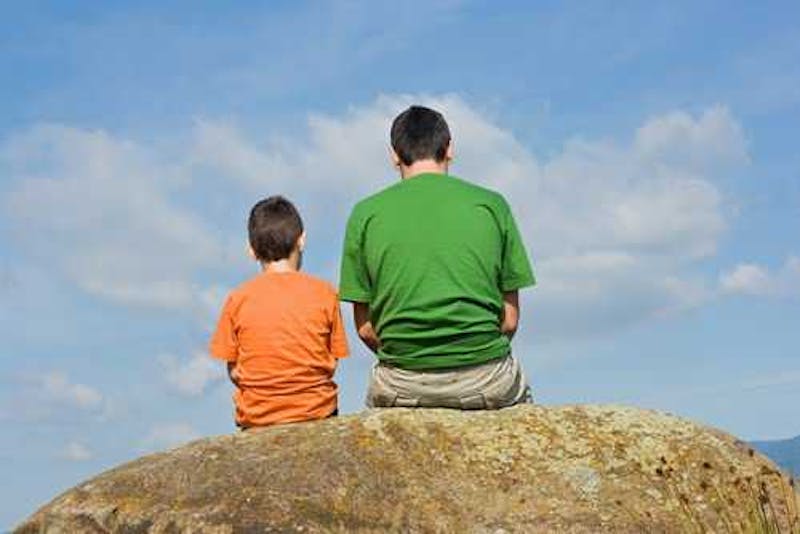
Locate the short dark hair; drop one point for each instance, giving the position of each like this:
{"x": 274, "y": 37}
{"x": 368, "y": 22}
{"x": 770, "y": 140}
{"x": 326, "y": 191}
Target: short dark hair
{"x": 273, "y": 228}
{"x": 420, "y": 133}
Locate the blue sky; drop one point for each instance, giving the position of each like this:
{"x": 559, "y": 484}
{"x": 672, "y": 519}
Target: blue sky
{"x": 648, "y": 150}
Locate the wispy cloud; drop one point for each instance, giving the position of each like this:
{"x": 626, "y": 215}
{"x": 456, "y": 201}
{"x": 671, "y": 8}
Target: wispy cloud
{"x": 99, "y": 208}
{"x": 714, "y": 138}
{"x": 75, "y": 451}
{"x": 756, "y": 280}
{"x": 192, "y": 376}
{"x": 58, "y": 388}
{"x": 54, "y": 395}
{"x": 614, "y": 226}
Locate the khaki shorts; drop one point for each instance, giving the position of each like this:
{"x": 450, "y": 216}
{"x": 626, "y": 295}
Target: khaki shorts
{"x": 487, "y": 386}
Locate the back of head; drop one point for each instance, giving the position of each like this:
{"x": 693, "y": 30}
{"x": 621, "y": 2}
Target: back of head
{"x": 273, "y": 228}
{"x": 420, "y": 133}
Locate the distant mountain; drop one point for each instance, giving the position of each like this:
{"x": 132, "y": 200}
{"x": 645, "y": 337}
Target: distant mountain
{"x": 785, "y": 453}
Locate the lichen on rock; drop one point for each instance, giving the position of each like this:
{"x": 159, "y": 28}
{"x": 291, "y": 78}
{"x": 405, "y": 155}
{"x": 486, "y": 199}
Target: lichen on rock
{"x": 521, "y": 469}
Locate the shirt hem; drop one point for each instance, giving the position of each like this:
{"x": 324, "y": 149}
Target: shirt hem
{"x": 519, "y": 283}
{"x": 354, "y": 297}
{"x": 444, "y": 362}
{"x": 246, "y": 425}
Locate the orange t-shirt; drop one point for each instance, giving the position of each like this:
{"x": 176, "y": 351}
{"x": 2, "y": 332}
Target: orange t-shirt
{"x": 284, "y": 333}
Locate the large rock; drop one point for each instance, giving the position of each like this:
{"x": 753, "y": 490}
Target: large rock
{"x": 522, "y": 469}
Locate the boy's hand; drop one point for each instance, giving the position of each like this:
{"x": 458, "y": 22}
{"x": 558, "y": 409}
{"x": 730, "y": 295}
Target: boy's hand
{"x": 364, "y": 326}
{"x": 510, "y": 320}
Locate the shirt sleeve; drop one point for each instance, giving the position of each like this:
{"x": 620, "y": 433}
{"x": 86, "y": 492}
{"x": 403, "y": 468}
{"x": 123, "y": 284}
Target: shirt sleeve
{"x": 224, "y": 345}
{"x": 354, "y": 282}
{"x": 515, "y": 270}
{"x": 338, "y": 339}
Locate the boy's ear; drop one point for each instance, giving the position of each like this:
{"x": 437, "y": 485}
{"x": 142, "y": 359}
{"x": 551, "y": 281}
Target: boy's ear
{"x": 301, "y": 241}
{"x": 450, "y": 152}
{"x": 251, "y": 252}
{"x": 394, "y": 157}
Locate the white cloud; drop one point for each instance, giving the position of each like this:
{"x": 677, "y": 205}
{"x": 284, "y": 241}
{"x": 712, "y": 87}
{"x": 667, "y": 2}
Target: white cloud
{"x": 686, "y": 293}
{"x": 77, "y": 452}
{"x": 191, "y": 376}
{"x": 614, "y": 226}
{"x": 592, "y": 195}
{"x": 601, "y": 195}
{"x": 210, "y": 302}
{"x": 755, "y": 280}
{"x": 58, "y": 388}
{"x": 167, "y": 436}
{"x": 746, "y": 278}
{"x": 221, "y": 146}
{"x": 53, "y": 396}
{"x": 677, "y": 138}
{"x": 99, "y": 209}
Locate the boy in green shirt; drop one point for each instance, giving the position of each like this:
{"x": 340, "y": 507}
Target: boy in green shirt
{"x": 433, "y": 265}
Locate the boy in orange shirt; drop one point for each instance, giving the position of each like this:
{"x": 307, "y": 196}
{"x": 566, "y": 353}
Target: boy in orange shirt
{"x": 281, "y": 331}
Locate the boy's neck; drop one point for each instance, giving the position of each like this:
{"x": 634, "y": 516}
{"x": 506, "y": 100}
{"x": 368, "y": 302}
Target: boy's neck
{"x": 423, "y": 166}
{"x": 285, "y": 265}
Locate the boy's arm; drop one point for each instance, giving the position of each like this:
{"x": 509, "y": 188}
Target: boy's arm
{"x": 364, "y": 326}
{"x": 510, "y": 319}
{"x": 337, "y": 341}
{"x": 515, "y": 273}
{"x": 354, "y": 282}
{"x": 224, "y": 343}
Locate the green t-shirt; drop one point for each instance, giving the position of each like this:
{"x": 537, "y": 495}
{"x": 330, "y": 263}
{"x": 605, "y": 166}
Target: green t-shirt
{"x": 432, "y": 256}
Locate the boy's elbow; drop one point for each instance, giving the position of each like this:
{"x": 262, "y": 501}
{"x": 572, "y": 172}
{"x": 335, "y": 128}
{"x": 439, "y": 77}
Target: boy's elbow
{"x": 508, "y": 330}
{"x": 368, "y": 336}
{"x": 365, "y": 332}
{"x": 509, "y": 325}
{"x": 510, "y": 318}
{"x": 371, "y": 341}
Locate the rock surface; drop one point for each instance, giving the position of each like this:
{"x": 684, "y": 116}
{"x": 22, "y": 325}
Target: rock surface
{"x": 521, "y": 469}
